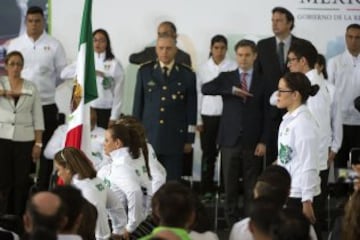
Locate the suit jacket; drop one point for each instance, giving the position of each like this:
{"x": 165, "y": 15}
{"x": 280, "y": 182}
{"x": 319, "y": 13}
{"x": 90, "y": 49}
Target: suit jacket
{"x": 166, "y": 107}
{"x": 18, "y": 123}
{"x": 245, "y": 119}
{"x": 268, "y": 65}
{"x": 149, "y": 54}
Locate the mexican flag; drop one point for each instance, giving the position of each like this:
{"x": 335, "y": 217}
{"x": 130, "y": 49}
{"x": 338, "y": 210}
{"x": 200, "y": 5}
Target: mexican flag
{"x": 85, "y": 91}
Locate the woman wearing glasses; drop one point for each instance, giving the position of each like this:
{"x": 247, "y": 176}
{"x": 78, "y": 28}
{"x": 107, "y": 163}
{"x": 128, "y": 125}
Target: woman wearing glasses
{"x": 75, "y": 168}
{"x": 21, "y": 128}
{"x": 298, "y": 141}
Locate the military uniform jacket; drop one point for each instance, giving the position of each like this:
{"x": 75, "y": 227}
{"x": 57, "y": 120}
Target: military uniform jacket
{"x": 166, "y": 107}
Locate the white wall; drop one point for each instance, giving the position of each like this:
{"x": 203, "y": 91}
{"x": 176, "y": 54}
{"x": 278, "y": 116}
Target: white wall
{"x": 132, "y": 24}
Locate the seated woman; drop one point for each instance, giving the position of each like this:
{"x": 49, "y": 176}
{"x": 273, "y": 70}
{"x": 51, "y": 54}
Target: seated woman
{"x": 75, "y": 168}
{"x": 127, "y": 175}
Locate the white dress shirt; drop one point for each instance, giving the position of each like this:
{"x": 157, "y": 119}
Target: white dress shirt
{"x": 326, "y": 115}
{"x": 344, "y": 73}
{"x": 211, "y": 105}
{"x": 110, "y": 87}
{"x": 44, "y": 59}
{"x": 298, "y": 146}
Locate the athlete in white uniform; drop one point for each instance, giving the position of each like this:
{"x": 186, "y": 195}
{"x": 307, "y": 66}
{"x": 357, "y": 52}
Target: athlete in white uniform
{"x": 109, "y": 80}
{"x": 97, "y": 157}
{"x": 75, "y": 168}
{"x": 298, "y": 141}
{"x": 158, "y": 172}
{"x": 128, "y": 174}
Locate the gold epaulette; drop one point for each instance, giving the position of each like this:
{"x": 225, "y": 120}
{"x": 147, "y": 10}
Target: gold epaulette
{"x": 147, "y": 62}
{"x": 187, "y": 66}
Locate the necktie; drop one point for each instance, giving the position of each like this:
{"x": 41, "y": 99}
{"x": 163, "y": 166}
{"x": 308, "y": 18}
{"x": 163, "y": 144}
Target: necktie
{"x": 281, "y": 55}
{"x": 243, "y": 81}
{"x": 165, "y": 72}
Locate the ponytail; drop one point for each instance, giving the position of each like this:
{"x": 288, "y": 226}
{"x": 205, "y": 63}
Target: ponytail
{"x": 313, "y": 90}
{"x": 137, "y": 143}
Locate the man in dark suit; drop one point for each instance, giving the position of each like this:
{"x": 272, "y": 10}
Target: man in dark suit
{"x": 165, "y": 102}
{"x": 243, "y": 128}
{"x": 149, "y": 53}
{"x": 271, "y": 63}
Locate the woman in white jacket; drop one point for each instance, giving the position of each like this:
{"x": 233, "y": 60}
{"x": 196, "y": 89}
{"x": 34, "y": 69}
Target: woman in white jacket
{"x": 298, "y": 141}
{"x": 158, "y": 172}
{"x": 127, "y": 174}
{"x": 75, "y": 168}
{"x": 109, "y": 80}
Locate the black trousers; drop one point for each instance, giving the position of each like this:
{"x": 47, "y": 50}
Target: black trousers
{"x": 209, "y": 151}
{"x": 295, "y": 203}
{"x": 173, "y": 163}
{"x": 238, "y": 161}
{"x": 351, "y": 139}
{"x": 15, "y": 168}
{"x": 103, "y": 116}
{"x": 320, "y": 212}
{"x": 46, "y": 165}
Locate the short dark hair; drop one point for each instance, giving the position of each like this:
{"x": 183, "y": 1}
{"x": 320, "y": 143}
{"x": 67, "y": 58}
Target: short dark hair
{"x": 303, "y": 48}
{"x": 298, "y": 81}
{"x": 219, "y": 38}
{"x": 246, "y": 43}
{"x": 291, "y": 224}
{"x": 353, "y": 25}
{"x": 35, "y": 10}
{"x": 274, "y": 182}
{"x": 173, "y": 204}
{"x": 263, "y": 214}
{"x": 288, "y": 14}
{"x": 170, "y": 24}
{"x": 73, "y": 201}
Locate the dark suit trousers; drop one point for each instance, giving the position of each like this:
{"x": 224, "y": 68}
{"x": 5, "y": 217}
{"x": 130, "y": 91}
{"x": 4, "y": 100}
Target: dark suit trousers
{"x": 103, "y": 117}
{"x": 46, "y": 165}
{"x": 296, "y": 204}
{"x": 350, "y": 140}
{"x": 173, "y": 163}
{"x": 238, "y": 161}
{"x": 209, "y": 151}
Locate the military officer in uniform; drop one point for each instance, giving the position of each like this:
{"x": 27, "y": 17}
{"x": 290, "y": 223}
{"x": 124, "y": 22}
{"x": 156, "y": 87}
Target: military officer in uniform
{"x": 165, "y": 102}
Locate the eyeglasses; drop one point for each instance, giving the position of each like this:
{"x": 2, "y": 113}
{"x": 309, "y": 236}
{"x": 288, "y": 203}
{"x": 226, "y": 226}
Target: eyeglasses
{"x": 285, "y": 91}
{"x": 13, "y": 64}
{"x": 290, "y": 60}
{"x": 100, "y": 40}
